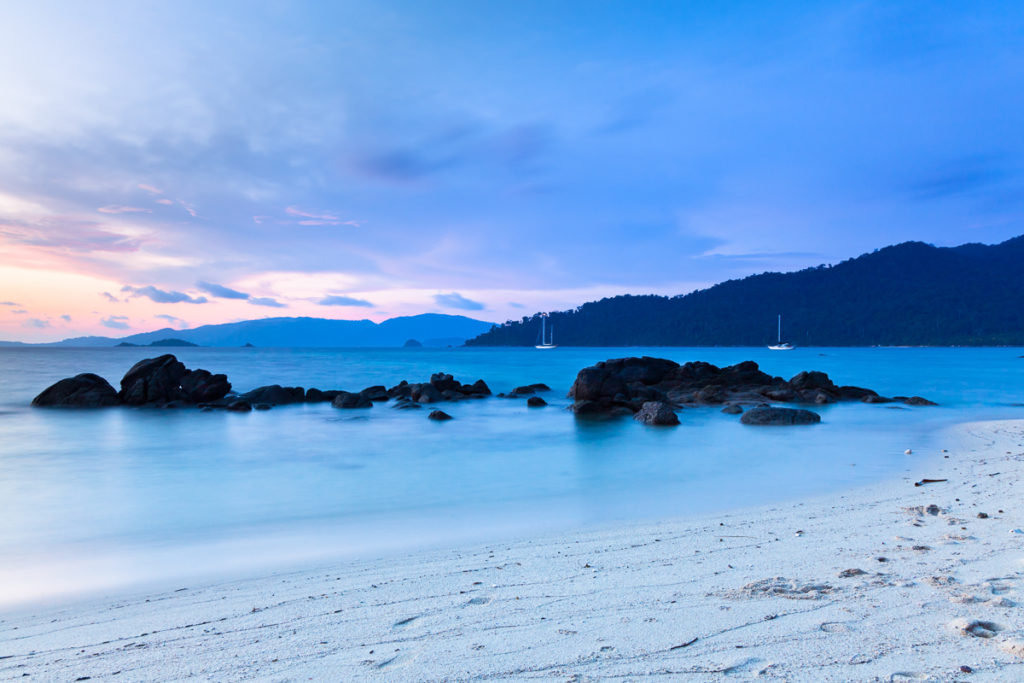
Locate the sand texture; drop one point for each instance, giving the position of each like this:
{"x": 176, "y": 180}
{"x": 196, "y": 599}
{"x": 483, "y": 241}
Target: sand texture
{"x": 893, "y": 582}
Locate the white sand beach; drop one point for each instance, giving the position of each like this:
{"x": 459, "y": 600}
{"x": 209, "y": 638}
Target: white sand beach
{"x": 891, "y": 582}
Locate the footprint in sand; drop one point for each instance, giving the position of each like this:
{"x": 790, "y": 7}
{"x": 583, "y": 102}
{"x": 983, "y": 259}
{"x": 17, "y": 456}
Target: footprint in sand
{"x": 478, "y": 601}
{"x": 976, "y": 627}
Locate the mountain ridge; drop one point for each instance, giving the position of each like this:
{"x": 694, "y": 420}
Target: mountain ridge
{"x": 912, "y": 293}
{"x": 432, "y": 329}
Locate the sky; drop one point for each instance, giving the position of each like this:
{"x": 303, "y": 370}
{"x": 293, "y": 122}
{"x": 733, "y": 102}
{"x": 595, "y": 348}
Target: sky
{"x": 172, "y": 164}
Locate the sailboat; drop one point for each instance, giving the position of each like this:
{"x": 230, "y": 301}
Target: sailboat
{"x": 546, "y": 342}
{"x": 781, "y": 345}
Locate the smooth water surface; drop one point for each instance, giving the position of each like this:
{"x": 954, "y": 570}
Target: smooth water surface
{"x": 103, "y": 498}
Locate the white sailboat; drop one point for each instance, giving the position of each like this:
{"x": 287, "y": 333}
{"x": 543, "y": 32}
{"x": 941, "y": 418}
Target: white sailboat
{"x": 781, "y": 345}
{"x": 546, "y": 342}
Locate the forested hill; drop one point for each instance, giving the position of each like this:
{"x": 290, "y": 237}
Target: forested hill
{"x": 908, "y": 294}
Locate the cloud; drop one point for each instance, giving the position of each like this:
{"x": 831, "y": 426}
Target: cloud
{"x": 456, "y": 300}
{"x": 116, "y": 322}
{"x": 172, "y": 319}
{"x": 165, "y": 202}
{"x": 314, "y": 217}
{"x": 37, "y": 323}
{"x": 266, "y": 301}
{"x": 19, "y": 311}
{"x": 115, "y": 209}
{"x": 150, "y": 189}
{"x": 334, "y": 300}
{"x": 221, "y": 291}
{"x": 514, "y": 304}
{"x": 161, "y": 296}
{"x": 110, "y": 297}
{"x": 66, "y": 234}
{"x": 9, "y": 303}
{"x": 66, "y": 318}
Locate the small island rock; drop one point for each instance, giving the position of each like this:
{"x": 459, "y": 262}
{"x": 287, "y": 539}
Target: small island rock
{"x": 81, "y": 391}
{"x": 766, "y": 415}
{"x": 656, "y": 413}
{"x": 439, "y": 415}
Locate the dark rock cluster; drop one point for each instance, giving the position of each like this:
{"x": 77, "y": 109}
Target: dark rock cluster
{"x": 650, "y": 388}
{"x": 161, "y": 381}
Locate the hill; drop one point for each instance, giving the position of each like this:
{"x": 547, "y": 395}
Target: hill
{"x": 908, "y": 294}
{"x": 433, "y": 329}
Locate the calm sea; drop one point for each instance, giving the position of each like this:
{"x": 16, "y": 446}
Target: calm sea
{"x": 99, "y": 500}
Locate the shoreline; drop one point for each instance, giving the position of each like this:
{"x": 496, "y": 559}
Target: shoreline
{"x": 752, "y": 592}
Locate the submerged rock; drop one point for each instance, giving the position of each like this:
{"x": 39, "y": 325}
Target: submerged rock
{"x": 439, "y": 415}
{"x": 732, "y": 409}
{"x": 779, "y": 416}
{"x": 348, "y": 400}
{"x": 81, "y": 391}
{"x": 275, "y": 394}
{"x": 656, "y": 413}
{"x": 536, "y": 402}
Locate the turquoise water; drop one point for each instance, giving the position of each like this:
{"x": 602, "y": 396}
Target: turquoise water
{"x": 95, "y": 500}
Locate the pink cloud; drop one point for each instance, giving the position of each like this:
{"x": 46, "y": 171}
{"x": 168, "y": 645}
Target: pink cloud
{"x": 165, "y": 202}
{"x": 66, "y": 234}
{"x": 150, "y": 188}
{"x": 314, "y": 218}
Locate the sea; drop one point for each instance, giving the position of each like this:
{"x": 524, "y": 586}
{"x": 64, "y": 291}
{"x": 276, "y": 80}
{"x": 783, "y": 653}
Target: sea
{"x": 103, "y": 501}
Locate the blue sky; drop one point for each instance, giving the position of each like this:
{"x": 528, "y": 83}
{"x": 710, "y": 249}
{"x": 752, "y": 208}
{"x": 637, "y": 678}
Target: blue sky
{"x": 179, "y": 163}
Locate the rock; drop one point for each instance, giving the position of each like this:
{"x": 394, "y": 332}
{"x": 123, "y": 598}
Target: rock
{"x": 813, "y": 380}
{"x": 275, "y": 394}
{"x": 478, "y": 387}
{"x": 439, "y": 415}
{"x": 855, "y": 393}
{"x": 779, "y": 416}
{"x": 656, "y": 413}
{"x": 375, "y": 393}
{"x": 918, "y": 401}
{"x": 201, "y": 386}
{"x": 848, "y": 573}
{"x": 536, "y": 402}
{"x": 318, "y": 396}
{"x": 349, "y": 400}
{"x": 81, "y": 391}
{"x": 406, "y": 404}
{"x": 530, "y": 389}
{"x": 239, "y": 406}
{"x": 401, "y": 390}
{"x": 875, "y": 398}
{"x": 425, "y": 393}
{"x": 443, "y": 381}
{"x": 153, "y": 380}
{"x": 262, "y": 406}
{"x": 732, "y": 409}
{"x": 412, "y": 344}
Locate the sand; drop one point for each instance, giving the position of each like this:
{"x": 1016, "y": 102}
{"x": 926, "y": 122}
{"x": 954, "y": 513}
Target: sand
{"x": 890, "y": 582}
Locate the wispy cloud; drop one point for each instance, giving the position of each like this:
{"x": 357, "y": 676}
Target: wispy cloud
{"x": 9, "y": 303}
{"x": 221, "y": 291}
{"x": 150, "y": 189}
{"x": 161, "y": 296}
{"x": 110, "y": 297}
{"x": 67, "y": 234}
{"x": 37, "y": 323}
{"x": 174, "y": 320}
{"x": 456, "y": 300}
{"x": 115, "y": 209}
{"x": 116, "y": 322}
{"x": 335, "y": 300}
{"x": 314, "y": 217}
{"x": 266, "y": 301}
{"x": 66, "y": 318}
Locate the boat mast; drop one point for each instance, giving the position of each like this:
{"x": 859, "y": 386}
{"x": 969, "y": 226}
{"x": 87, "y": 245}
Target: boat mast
{"x": 543, "y": 329}
{"x": 780, "y": 328}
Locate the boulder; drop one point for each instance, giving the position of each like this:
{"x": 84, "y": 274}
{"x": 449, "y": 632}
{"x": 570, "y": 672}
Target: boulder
{"x": 275, "y": 394}
{"x": 656, "y": 413}
{"x": 347, "y": 400}
{"x": 918, "y": 401}
{"x": 239, "y": 406}
{"x": 153, "y": 380}
{"x": 813, "y": 380}
{"x": 443, "y": 382}
{"x": 375, "y": 393}
{"x": 81, "y": 391}
{"x": 201, "y": 386}
{"x": 732, "y": 409}
{"x": 536, "y": 402}
{"x": 425, "y": 393}
{"x": 318, "y": 396}
{"x": 477, "y": 387}
{"x": 439, "y": 415}
{"x": 530, "y": 389}
{"x": 875, "y": 398}
{"x": 762, "y": 415}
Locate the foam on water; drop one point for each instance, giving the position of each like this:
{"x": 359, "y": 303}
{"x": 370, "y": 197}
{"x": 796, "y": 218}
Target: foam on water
{"x": 100, "y": 499}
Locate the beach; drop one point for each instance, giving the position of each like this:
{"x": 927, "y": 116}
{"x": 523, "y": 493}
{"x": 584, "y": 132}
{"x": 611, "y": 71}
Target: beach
{"x": 891, "y": 581}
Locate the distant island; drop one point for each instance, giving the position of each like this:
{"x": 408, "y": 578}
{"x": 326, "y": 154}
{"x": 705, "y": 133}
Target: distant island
{"x": 431, "y": 329}
{"x": 910, "y": 294}
{"x": 161, "y": 342}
